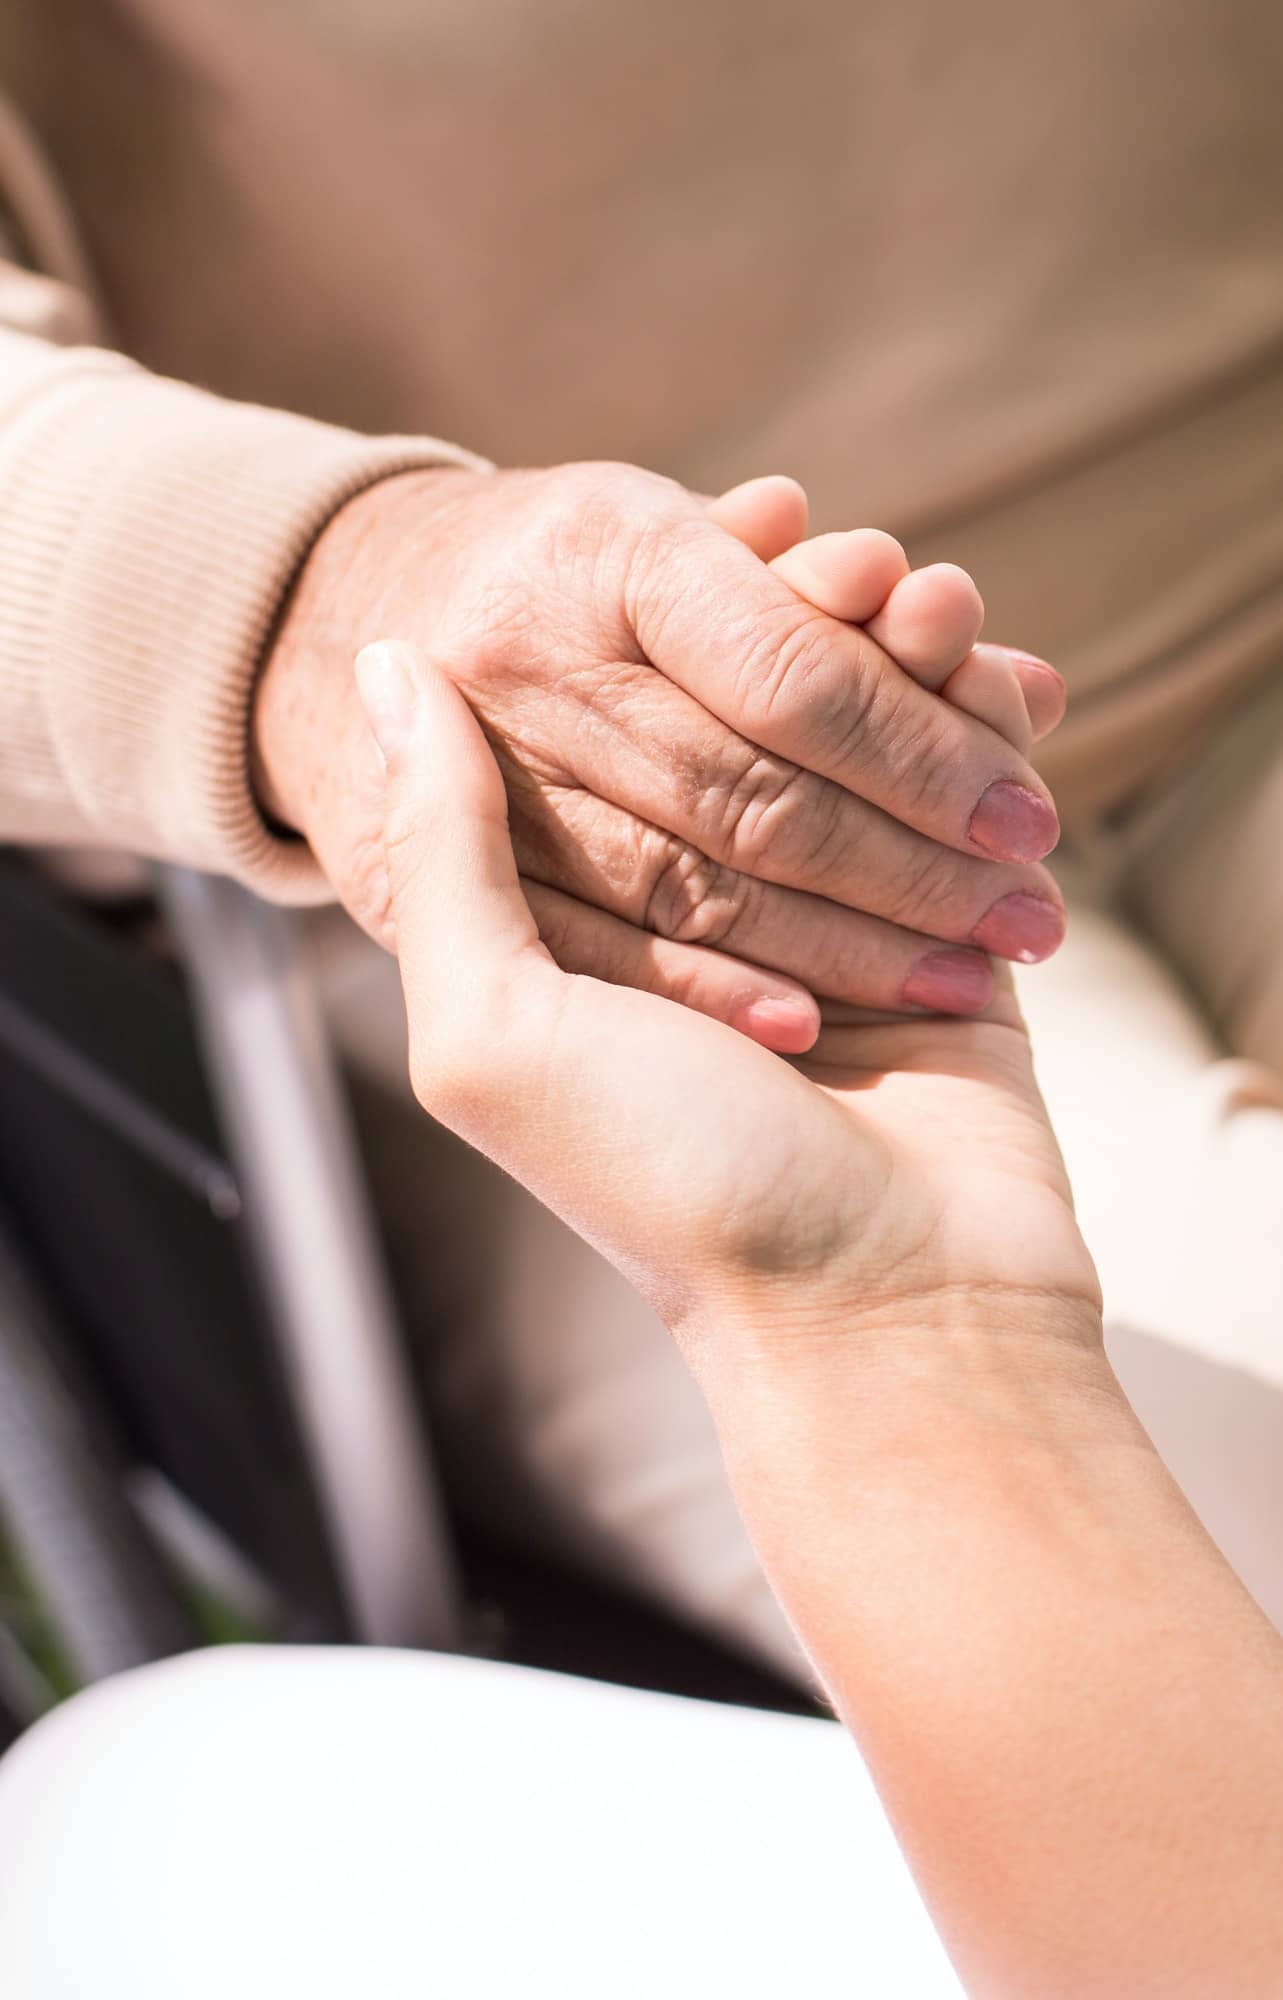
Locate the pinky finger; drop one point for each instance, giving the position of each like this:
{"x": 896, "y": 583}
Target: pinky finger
{"x": 986, "y": 686}
{"x": 770, "y": 1009}
{"x": 990, "y": 674}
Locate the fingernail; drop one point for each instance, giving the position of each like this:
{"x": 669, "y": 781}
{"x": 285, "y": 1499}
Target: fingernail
{"x": 1021, "y": 659}
{"x": 1026, "y": 928}
{"x": 1026, "y": 659}
{"x": 949, "y": 982}
{"x": 789, "y": 1027}
{"x": 1011, "y": 823}
{"x": 387, "y": 695}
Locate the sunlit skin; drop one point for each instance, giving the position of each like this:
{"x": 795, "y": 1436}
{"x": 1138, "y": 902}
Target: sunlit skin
{"x": 868, "y": 1254}
{"x": 718, "y": 789}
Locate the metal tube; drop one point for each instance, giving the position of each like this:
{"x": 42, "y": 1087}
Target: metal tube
{"x": 62, "y": 1496}
{"x": 307, "y": 1210}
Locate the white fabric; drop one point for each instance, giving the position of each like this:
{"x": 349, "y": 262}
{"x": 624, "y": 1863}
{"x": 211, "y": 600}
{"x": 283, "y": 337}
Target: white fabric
{"x": 266, "y": 1824}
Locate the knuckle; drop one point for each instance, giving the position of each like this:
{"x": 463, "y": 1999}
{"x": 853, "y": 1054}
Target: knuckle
{"x": 596, "y": 504}
{"x": 929, "y": 760}
{"x": 853, "y": 725}
{"x": 692, "y": 899}
{"x": 789, "y": 665}
{"x": 844, "y": 703}
{"x": 904, "y": 742}
{"x": 770, "y": 814}
{"x": 668, "y": 575}
{"x": 925, "y": 891}
{"x": 570, "y": 542}
{"x": 592, "y": 519}
{"x": 620, "y": 527}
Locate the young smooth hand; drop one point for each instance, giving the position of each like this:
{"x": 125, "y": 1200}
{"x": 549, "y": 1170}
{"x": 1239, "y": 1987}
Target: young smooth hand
{"x": 868, "y": 1254}
{"x": 902, "y": 1165}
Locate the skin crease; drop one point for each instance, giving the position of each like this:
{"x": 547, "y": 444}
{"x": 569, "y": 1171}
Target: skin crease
{"x": 546, "y": 595}
{"x": 868, "y": 1254}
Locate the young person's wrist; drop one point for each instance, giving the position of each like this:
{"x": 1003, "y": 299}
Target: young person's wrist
{"x": 985, "y": 1351}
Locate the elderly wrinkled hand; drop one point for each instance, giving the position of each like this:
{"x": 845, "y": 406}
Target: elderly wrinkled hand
{"x": 697, "y": 750}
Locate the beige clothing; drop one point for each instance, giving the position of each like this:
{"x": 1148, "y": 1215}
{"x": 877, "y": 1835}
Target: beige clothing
{"x": 1006, "y": 279}
{"x": 148, "y": 535}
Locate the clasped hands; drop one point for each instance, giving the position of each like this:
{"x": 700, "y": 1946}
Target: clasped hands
{"x": 711, "y": 737}
{"x": 632, "y": 740}
{"x": 867, "y": 1252}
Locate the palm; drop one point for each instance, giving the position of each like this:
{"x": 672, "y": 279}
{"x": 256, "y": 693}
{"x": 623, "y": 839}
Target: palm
{"x": 900, "y": 1157}
{"x": 975, "y": 1192}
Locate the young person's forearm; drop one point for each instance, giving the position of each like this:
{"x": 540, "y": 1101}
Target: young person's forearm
{"x": 1072, "y": 1708}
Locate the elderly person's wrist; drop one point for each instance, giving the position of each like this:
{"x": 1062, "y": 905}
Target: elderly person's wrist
{"x": 307, "y": 727}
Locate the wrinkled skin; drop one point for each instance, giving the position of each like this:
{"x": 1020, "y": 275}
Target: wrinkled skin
{"x": 694, "y": 755}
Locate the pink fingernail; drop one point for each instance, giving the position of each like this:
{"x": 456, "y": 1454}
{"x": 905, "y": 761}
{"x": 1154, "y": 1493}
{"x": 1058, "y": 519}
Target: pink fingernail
{"x": 1011, "y": 823}
{"x": 1029, "y": 659}
{"x": 1026, "y": 928}
{"x": 789, "y": 1027}
{"x": 949, "y": 982}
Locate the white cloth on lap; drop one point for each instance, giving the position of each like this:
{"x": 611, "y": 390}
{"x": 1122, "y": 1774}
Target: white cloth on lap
{"x": 271, "y": 1823}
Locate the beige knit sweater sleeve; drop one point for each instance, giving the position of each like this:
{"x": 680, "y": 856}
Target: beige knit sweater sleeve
{"x": 148, "y": 534}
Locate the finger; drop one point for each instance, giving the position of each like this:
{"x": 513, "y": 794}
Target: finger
{"x": 1019, "y": 695}
{"x": 987, "y": 686}
{"x": 767, "y": 515}
{"x": 450, "y": 861}
{"x": 927, "y": 620}
{"x": 464, "y": 932}
{"x": 1002, "y": 1008}
{"x": 1044, "y": 690}
{"x": 629, "y": 1117}
{"x": 767, "y": 1007}
{"x": 825, "y": 696}
{"x": 669, "y": 888}
{"x": 930, "y": 622}
{"x": 463, "y": 873}
{"x": 850, "y": 576}
{"x": 686, "y": 792}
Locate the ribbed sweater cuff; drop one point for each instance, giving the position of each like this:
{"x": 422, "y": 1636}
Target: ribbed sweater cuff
{"x": 148, "y": 535}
